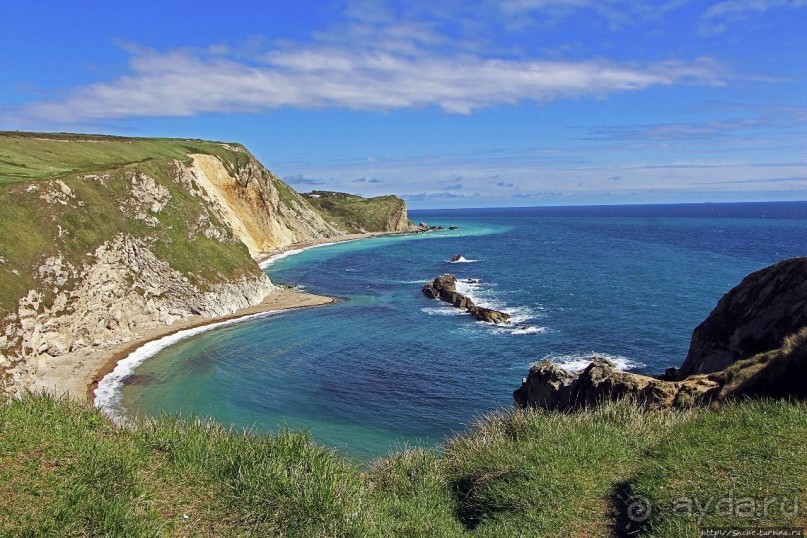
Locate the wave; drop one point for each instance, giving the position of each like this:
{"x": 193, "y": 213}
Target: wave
{"x": 107, "y": 394}
{"x": 271, "y": 260}
{"x": 579, "y": 361}
{"x": 463, "y": 260}
{"x": 447, "y": 310}
{"x": 529, "y": 330}
{"x": 520, "y": 316}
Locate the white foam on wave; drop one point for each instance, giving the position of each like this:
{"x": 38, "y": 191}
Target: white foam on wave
{"x": 463, "y": 260}
{"x": 529, "y": 330}
{"x": 271, "y": 260}
{"x": 108, "y": 395}
{"x": 520, "y": 316}
{"x": 443, "y": 311}
{"x": 474, "y": 291}
{"x": 579, "y": 361}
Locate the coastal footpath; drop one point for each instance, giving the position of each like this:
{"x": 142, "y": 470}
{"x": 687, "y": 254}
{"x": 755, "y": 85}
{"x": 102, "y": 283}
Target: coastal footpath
{"x": 107, "y": 241}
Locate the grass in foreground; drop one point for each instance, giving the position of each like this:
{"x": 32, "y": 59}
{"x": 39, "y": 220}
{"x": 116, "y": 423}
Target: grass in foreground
{"x": 66, "y": 471}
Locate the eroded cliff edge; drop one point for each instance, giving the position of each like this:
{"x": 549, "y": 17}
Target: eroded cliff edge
{"x": 106, "y": 238}
{"x": 753, "y": 344}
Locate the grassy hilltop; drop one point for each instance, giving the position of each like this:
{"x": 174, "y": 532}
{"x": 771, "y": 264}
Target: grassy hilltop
{"x": 35, "y": 226}
{"x": 65, "y": 194}
{"x": 65, "y": 470}
{"x": 354, "y": 212}
{"x": 32, "y": 156}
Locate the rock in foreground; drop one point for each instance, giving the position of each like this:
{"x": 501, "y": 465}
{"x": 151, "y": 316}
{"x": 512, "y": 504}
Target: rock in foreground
{"x": 753, "y": 344}
{"x": 781, "y": 373}
{"x": 752, "y": 318}
{"x": 548, "y": 386}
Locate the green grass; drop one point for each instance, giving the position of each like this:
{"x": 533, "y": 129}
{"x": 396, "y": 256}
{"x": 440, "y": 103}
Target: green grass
{"x": 355, "y": 213}
{"x": 65, "y": 470}
{"x": 723, "y": 469}
{"x": 31, "y": 226}
{"x": 33, "y": 156}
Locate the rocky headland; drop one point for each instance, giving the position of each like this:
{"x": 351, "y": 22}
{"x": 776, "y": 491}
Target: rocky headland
{"x": 753, "y": 344}
{"x": 106, "y": 240}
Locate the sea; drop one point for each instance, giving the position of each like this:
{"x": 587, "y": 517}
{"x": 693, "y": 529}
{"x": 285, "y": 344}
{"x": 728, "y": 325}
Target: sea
{"x": 386, "y": 368}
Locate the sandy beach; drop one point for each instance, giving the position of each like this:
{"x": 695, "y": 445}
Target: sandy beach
{"x": 264, "y": 257}
{"x": 77, "y": 374}
{"x": 81, "y": 377}
{"x": 96, "y": 365}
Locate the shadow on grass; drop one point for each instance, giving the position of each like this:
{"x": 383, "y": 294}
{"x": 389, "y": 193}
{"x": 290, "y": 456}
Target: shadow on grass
{"x": 631, "y": 512}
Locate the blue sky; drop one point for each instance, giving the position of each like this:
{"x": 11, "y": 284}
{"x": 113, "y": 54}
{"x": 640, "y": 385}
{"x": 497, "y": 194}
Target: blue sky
{"x": 449, "y": 104}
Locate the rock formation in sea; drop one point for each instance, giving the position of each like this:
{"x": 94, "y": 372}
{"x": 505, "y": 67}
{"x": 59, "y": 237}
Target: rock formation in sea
{"x": 104, "y": 238}
{"x": 444, "y": 288}
{"x": 758, "y": 333}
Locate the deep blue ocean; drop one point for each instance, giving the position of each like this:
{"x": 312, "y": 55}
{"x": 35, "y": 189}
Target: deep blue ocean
{"x": 387, "y": 367}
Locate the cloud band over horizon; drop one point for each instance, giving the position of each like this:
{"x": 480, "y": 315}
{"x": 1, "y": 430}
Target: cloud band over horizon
{"x": 187, "y": 83}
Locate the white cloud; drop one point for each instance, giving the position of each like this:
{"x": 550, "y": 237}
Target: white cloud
{"x": 569, "y": 174}
{"x": 617, "y": 13}
{"x": 376, "y": 65}
{"x": 717, "y": 18}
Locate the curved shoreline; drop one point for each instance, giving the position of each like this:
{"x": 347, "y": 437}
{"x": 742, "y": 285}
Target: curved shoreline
{"x": 278, "y": 300}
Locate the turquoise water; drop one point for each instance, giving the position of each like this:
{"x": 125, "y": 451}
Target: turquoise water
{"x": 386, "y": 366}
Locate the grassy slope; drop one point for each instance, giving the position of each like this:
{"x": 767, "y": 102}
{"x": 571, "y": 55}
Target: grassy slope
{"x": 31, "y": 156}
{"x": 30, "y": 226}
{"x": 355, "y": 213}
{"x": 66, "y": 471}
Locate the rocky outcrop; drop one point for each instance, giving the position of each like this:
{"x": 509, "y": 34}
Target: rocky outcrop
{"x": 398, "y": 220}
{"x": 781, "y": 373}
{"x": 444, "y": 288}
{"x": 489, "y": 315}
{"x": 752, "y": 318}
{"x": 753, "y": 344}
{"x": 549, "y": 386}
{"x": 262, "y": 211}
{"x": 124, "y": 291}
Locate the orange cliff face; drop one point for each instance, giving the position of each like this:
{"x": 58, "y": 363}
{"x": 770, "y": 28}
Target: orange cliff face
{"x": 265, "y": 213}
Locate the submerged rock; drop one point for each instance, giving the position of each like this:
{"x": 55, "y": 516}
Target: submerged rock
{"x": 456, "y": 257}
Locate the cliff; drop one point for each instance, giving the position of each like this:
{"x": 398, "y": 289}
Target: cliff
{"x": 361, "y": 215}
{"x": 104, "y": 238}
{"x": 753, "y": 344}
{"x": 754, "y": 317}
